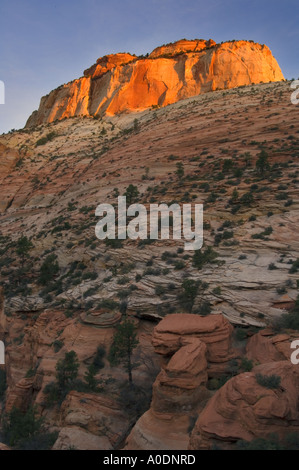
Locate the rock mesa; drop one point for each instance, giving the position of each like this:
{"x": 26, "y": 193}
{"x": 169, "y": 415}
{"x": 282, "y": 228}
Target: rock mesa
{"x": 123, "y": 83}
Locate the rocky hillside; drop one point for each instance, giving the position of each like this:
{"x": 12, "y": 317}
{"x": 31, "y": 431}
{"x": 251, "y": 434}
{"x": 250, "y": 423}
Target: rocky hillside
{"x": 205, "y": 320}
{"x": 122, "y": 83}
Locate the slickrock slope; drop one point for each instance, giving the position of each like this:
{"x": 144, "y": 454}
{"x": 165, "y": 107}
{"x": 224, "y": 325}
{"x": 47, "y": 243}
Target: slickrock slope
{"x": 245, "y": 410}
{"x": 52, "y": 190}
{"x": 123, "y": 83}
{"x": 53, "y": 176}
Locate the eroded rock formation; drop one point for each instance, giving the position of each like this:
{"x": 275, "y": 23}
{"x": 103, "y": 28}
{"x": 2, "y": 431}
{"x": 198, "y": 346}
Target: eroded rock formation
{"x": 122, "y": 83}
{"x": 244, "y": 410}
{"x": 179, "y": 391}
{"x": 177, "y": 330}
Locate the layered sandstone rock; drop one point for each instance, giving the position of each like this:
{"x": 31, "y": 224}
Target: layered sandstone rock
{"x": 180, "y": 384}
{"x": 96, "y": 414}
{"x": 123, "y": 83}
{"x": 177, "y": 330}
{"x": 31, "y": 348}
{"x": 86, "y": 420}
{"x": 179, "y": 392}
{"x": 20, "y": 396}
{"x": 182, "y": 46}
{"x": 77, "y": 439}
{"x": 265, "y": 346}
{"x": 244, "y": 410}
{"x": 108, "y": 62}
{"x": 101, "y": 318}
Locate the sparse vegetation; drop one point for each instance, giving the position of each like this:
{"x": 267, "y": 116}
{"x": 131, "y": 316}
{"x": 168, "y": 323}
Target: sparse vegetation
{"x": 124, "y": 342}
{"x": 43, "y": 140}
{"x": 202, "y": 257}
{"x": 268, "y": 381}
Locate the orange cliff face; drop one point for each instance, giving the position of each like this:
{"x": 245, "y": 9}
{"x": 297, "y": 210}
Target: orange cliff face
{"x": 122, "y": 83}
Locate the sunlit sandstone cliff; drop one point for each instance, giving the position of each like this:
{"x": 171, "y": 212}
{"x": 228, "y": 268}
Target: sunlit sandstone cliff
{"x": 122, "y": 83}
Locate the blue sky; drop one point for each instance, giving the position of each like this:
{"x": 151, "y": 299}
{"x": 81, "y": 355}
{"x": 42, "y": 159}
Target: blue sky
{"x": 46, "y": 43}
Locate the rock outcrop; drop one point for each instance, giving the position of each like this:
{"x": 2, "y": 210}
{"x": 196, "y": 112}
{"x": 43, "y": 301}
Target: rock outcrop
{"x": 77, "y": 439}
{"x": 4, "y": 447}
{"x": 182, "y": 46}
{"x": 244, "y": 410}
{"x": 95, "y": 414}
{"x": 123, "y": 83}
{"x": 179, "y": 392}
{"x": 265, "y": 346}
{"x": 108, "y": 62}
{"x": 177, "y": 330}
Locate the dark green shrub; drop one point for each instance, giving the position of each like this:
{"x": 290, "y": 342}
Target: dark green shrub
{"x": 109, "y": 304}
{"x": 188, "y": 294}
{"x": 202, "y": 257}
{"x": 18, "y": 426}
{"x": 98, "y": 360}
{"x": 2, "y": 384}
{"x": 268, "y": 381}
{"x": 49, "y": 269}
{"x": 159, "y": 290}
{"x": 240, "y": 334}
{"x": 204, "y": 309}
{"x": 289, "y": 320}
{"x": 246, "y": 364}
{"x": 43, "y": 140}
{"x": 67, "y": 369}
{"x": 295, "y": 266}
{"x": 57, "y": 345}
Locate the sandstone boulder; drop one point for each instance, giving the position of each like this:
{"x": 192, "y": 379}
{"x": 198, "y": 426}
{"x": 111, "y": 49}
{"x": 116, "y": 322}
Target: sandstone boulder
{"x": 96, "y": 414}
{"x": 176, "y": 330}
{"x": 77, "y": 439}
{"x": 265, "y": 346}
{"x": 178, "y": 393}
{"x": 181, "y": 384}
{"x": 244, "y": 410}
{"x": 101, "y": 318}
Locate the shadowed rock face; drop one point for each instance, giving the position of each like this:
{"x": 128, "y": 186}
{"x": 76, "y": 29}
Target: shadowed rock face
{"x": 122, "y": 83}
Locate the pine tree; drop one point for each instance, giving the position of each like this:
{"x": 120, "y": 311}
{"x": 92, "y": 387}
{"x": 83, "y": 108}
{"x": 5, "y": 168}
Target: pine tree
{"x": 262, "y": 163}
{"x": 67, "y": 369}
{"x": 124, "y": 342}
{"x": 180, "y": 170}
{"x": 23, "y": 247}
{"x": 89, "y": 377}
{"x": 131, "y": 193}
